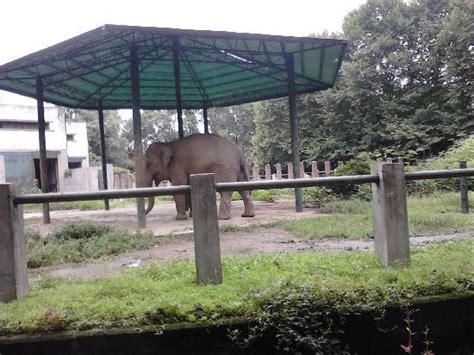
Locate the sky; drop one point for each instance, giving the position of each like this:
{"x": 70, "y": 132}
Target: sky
{"x": 27, "y": 26}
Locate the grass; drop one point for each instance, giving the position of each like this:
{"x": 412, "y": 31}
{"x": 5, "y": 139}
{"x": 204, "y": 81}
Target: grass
{"x": 83, "y": 242}
{"x": 352, "y": 219}
{"x": 164, "y": 295}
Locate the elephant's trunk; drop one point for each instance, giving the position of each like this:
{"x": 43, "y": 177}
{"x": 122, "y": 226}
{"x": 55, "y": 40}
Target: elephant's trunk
{"x": 151, "y": 199}
{"x": 151, "y": 204}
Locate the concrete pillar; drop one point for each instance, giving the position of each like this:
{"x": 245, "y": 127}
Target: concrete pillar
{"x": 389, "y": 204}
{"x": 268, "y": 172}
{"x": 256, "y": 173}
{"x": 314, "y": 169}
{"x": 301, "y": 169}
{"x": 206, "y": 229}
{"x": 13, "y": 267}
{"x": 278, "y": 171}
{"x": 290, "y": 170}
{"x": 327, "y": 168}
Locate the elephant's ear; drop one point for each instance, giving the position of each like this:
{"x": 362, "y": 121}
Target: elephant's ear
{"x": 166, "y": 156}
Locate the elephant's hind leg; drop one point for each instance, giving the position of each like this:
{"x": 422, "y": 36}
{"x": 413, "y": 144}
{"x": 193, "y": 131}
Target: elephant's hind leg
{"x": 249, "y": 209}
{"x": 225, "y": 206}
{"x": 180, "y": 201}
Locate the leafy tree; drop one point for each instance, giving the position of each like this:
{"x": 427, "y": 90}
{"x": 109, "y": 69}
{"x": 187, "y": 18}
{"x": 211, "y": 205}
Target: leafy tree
{"x": 157, "y": 126}
{"x": 190, "y": 123}
{"x": 404, "y": 88}
{"x": 235, "y": 123}
{"x": 116, "y": 144}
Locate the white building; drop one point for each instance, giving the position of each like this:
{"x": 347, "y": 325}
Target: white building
{"x": 66, "y": 145}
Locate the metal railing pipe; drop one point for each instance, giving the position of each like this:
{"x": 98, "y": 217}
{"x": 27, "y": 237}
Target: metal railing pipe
{"x": 438, "y": 174}
{"x": 100, "y": 195}
{"x": 295, "y": 183}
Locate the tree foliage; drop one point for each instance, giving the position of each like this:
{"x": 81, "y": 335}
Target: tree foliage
{"x": 405, "y": 87}
{"x": 235, "y": 123}
{"x": 116, "y": 143}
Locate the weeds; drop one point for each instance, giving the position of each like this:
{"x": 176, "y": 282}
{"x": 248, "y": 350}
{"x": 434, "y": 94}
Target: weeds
{"x": 82, "y": 242}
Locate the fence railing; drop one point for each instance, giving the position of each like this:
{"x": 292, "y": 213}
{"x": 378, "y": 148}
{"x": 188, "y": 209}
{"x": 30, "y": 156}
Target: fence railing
{"x": 389, "y": 203}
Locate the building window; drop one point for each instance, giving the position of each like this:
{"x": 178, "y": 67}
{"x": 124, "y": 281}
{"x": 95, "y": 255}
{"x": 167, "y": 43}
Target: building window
{"x": 21, "y": 125}
{"x": 71, "y": 137}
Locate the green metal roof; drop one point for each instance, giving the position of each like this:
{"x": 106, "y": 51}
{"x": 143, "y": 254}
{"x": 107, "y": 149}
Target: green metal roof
{"x": 219, "y": 68}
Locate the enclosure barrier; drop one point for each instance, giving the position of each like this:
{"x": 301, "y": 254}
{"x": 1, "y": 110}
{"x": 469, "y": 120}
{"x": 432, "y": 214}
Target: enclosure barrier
{"x": 388, "y": 202}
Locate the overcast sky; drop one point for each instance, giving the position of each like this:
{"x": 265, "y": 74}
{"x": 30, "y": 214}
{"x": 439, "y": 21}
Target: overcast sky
{"x": 30, "y": 25}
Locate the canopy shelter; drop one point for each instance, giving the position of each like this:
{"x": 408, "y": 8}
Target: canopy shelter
{"x": 117, "y": 67}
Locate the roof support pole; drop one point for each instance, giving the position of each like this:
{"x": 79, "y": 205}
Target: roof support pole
{"x": 102, "y": 153}
{"x": 42, "y": 147}
{"x": 295, "y": 145}
{"x": 177, "y": 85}
{"x": 204, "y": 115}
{"x": 137, "y": 133}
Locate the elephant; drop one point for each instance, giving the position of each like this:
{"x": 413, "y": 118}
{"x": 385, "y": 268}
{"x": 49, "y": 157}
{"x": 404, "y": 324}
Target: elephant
{"x": 196, "y": 154}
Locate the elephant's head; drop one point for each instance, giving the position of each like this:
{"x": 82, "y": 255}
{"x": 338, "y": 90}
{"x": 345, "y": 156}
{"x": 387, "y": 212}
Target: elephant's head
{"x": 157, "y": 161}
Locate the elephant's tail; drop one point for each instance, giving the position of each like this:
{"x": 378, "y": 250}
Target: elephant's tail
{"x": 243, "y": 173}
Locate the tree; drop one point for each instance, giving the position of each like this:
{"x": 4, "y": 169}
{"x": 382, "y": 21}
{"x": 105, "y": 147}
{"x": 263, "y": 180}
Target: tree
{"x": 235, "y": 123}
{"x": 157, "y": 126}
{"x": 116, "y": 145}
{"x": 405, "y": 86}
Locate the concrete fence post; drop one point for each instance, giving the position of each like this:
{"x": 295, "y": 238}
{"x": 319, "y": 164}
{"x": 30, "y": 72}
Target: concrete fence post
{"x": 13, "y": 267}
{"x": 256, "y": 173}
{"x": 314, "y": 169}
{"x": 268, "y": 172}
{"x": 389, "y": 204}
{"x": 278, "y": 171}
{"x": 301, "y": 169}
{"x": 206, "y": 229}
{"x": 464, "y": 187}
{"x": 290, "y": 170}
{"x": 327, "y": 168}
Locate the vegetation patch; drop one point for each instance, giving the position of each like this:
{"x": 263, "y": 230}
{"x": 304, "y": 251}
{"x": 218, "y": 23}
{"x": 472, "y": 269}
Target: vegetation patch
{"x": 82, "y": 242}
{"x": 163, "y": 295}
{"x": 352, "y": 219}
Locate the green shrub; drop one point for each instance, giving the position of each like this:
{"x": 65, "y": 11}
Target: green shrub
{"x": 450, "y": 159}
{"x": 317, "y": 196}
{"x": 359, "y": 165}
{"x": 81, "y": 231}
{"x": 262, "y": 195}
{"x": 91, "y": 205}
{"x": 257, "y": 195}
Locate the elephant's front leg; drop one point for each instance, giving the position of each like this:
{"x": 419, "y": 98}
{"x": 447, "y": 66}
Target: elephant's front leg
{"x": 180, "y": 201}
{"x": 224, "y": 209}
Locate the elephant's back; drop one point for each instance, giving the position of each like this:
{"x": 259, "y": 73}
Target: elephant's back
{"x": 203, "y": 152}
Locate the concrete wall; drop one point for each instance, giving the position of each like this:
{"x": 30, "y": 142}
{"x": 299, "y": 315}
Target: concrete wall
{"x": 2, "y": 170}
{"x": 27, "y": 139}
{"x": 19, "y": 168}
{"x": 78, "y": 147}
{"x": 82, "y": 179}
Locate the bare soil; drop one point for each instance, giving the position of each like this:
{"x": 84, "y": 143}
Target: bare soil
{"x": 161, "y": 220}
{"x": 175, "y": 238}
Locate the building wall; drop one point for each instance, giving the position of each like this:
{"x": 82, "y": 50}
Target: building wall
{"x": 78, "y": 146}
{"x": 2, "y": 169}
{"x": 27, "y": 140}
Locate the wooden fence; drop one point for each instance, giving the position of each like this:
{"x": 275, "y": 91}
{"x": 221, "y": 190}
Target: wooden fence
{"x": 285, "y": 171}
{"x": 389, "y": 203}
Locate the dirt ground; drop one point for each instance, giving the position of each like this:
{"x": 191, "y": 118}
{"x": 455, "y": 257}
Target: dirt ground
{"x": 161, "y": 220}
{"x": 175, "y": 238}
